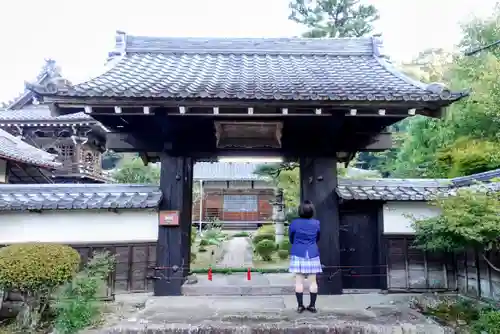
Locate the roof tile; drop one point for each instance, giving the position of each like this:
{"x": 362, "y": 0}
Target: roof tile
{"x": 13, "y": 148}
{"x": 78, "y": 196}
{"x": 256, "y": 68}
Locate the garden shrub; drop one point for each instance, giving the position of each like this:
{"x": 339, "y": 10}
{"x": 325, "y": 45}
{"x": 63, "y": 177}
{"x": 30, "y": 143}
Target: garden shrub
{"x": 283, "y": 254}
{"x": 36, "y": 266}
{"x": 36, "y": 270}
{"x": 204, "y": 242}
{"x": 285, "y": 245}
{"x": 265, "y": 249}
{"x": 258, "y": 237}
{"x": 488, "y": 322}
{"x": 77, "y": 303}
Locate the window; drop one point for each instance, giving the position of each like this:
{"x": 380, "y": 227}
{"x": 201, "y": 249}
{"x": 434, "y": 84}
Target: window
{"x": 240, "y": 203}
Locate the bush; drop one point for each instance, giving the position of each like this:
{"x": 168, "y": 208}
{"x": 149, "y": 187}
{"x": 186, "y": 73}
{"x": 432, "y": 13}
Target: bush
{"x": 204, "y": 242}
{"x": 258, "y": 237}
{"x": 283, "y": 254}
{"x": 77, "y": 303}
{"x": 488, "y": 322}
{"x": 285, "y": 245}
{"x": 35, "y": 270}
{"x": 37, "y": 266}
{"x": 265, "y": 249}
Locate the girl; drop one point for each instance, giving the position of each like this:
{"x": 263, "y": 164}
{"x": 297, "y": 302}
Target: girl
{"x": 304, "y": 234}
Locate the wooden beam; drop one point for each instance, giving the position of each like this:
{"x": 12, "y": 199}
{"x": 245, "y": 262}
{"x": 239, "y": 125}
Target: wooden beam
{"x": 161, "y": 102}
{"x": 123, "y": 142}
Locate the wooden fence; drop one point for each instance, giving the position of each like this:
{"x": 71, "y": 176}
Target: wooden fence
{"x": 408, "y": 269}
{"x": 411, "y": 269}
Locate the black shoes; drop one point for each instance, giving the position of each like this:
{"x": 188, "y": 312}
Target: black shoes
{"x": 311, "y": 308}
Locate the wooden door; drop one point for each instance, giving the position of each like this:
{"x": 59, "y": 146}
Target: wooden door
{"x": 359, "y": 251}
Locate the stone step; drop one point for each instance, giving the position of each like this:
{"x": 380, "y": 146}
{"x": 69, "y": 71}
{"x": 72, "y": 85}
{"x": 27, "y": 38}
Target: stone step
{"x": 367, "y": 313}
{"x": 234, "y": 328}
{"x": 231, "y": 290}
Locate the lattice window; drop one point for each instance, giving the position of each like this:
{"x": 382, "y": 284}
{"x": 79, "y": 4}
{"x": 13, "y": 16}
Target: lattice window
{"x": 240, "y": 203}
{"x": 66, "y": 152}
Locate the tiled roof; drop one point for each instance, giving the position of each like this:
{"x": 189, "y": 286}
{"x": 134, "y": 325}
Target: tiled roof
{"x": 479, "y": 177}
{"x": 348, "y": 69}
{"x": 77, "y": 196}
{"x": 41, "y": 114}
{"x": 13, "y": 148}
{"x": 225, "y": 171}
{"x": 392, "y": 189}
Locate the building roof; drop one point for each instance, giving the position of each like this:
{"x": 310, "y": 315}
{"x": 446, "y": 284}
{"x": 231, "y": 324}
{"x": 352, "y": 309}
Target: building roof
{"x": 40, "y": 115}
{"x": 77, "y": 196}
{"x": 392, "y": 189}
{"x": 411, "y": 189}
{"x": 479, "y": 177}
{"x": 226, "y": 171}
{"x": 342, "y": 69}
{"x": 13, "y": 148}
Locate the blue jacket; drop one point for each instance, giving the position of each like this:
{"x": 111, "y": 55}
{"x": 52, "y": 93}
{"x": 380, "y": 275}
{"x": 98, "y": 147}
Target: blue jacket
{"x": 304, "y": 235}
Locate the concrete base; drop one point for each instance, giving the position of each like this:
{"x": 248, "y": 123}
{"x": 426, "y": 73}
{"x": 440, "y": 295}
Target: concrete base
{"x": 369, "y": 313}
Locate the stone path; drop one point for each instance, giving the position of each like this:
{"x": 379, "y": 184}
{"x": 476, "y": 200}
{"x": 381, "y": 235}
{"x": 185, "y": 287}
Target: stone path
{"x": 237, "y": 253}
{"x": 367, "y": 313}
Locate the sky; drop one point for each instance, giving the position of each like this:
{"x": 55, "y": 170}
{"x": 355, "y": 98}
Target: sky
{"x": 78, "y": 35}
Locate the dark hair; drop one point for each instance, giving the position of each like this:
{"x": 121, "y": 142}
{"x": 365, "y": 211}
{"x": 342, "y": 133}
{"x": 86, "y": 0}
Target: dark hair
{"x": 306, "y": 210}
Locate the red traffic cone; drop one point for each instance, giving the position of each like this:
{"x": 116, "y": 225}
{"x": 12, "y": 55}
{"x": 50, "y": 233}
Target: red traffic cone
{"x": 210, "y": 273}
{"x": 249, "y": 274}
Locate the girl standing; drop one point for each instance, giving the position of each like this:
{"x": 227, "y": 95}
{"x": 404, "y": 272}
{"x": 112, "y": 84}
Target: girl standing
{"x": 304, "y": 234}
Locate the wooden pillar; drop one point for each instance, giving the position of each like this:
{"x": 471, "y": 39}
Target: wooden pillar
{"x": 172, "y": 252}
{"x": 318, "y": 180}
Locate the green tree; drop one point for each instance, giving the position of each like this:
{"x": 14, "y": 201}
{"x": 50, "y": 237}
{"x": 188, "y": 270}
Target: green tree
{"x": 468, "y": 220}
{"x": 466, "y": 139}
{"x": 133, "y": 170}
{"x": 334, "y": 18}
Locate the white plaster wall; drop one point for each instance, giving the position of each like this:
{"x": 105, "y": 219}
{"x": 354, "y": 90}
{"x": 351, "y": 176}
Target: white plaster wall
{"x": 396, "y": 220}
{"x": 79, "y": 226}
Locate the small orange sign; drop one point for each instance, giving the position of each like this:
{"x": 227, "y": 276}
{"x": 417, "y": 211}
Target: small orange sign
{"x": 169, "y": 218}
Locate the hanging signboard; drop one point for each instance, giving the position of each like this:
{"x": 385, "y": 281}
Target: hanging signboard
{"x": 169, "y": 218}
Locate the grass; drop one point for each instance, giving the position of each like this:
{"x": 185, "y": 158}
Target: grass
{"x": 205, "y": 259}
{"x": 276, "y": 262}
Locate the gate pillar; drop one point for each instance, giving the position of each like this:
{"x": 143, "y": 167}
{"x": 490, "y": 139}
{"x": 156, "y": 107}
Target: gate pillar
{"x": 318, "y": 180}
{"x": 174, "y": 228}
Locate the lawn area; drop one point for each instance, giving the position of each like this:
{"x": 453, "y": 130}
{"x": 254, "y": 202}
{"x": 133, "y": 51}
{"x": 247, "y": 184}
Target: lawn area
{"x": 205, "y": 259}
{"x": 276, "y": 262}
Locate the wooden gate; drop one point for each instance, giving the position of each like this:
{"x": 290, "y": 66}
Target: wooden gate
{"x": 360, "y": 239}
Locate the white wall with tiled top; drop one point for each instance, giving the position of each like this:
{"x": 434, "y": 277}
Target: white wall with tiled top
{"x": 397, "y": 215}
{"x": 79, "y": 226}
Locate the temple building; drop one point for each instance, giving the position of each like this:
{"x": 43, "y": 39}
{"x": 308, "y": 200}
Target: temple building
{"x": 78, "y": 140}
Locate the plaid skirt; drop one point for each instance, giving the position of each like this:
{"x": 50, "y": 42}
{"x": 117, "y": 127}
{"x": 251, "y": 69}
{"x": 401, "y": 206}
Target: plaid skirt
{"x": 302, "y": 265}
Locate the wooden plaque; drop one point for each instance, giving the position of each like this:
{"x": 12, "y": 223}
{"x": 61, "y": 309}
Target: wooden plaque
{"x": 169, "y": 218}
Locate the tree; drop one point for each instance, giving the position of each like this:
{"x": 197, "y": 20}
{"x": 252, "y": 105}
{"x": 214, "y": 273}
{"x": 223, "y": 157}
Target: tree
{"x": 470, "y": 219}
{"x": 334, "y": 18}
{"x": 466, "y": 139}
{"x": 134, "y": 171}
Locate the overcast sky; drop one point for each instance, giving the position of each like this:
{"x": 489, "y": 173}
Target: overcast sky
{"x": 79, "y": 34}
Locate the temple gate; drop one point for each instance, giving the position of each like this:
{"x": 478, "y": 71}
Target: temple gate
{"x": 180, "y": 100}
